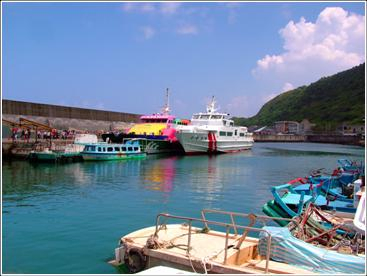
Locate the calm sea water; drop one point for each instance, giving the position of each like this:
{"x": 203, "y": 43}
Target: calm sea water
{"x": 68, "y": 218}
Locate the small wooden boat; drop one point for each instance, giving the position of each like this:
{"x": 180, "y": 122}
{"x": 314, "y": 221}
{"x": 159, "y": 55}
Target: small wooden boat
{"x": 193, "y": 248}
{"x": 104, "y": 151}
{"x": 70, "y": 152}
{"x": 50, "y": 156}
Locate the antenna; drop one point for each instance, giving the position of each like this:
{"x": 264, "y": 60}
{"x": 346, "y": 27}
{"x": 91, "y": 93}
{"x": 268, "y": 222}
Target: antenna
{"x": 166, "y": 109}
{"x": 211, "y": 107}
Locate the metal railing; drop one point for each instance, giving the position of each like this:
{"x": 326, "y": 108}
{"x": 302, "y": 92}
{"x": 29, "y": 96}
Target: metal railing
{"x": 232, "y": 215}
{"x": 227, "y": 226}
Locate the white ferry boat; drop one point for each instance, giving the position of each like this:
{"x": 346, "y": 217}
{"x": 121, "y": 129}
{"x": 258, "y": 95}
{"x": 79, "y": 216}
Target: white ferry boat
{"x": 213, "y": 132}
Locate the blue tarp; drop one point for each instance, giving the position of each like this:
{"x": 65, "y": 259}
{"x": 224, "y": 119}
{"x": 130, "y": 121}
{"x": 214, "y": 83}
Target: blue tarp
{"x": 288, "y": 249}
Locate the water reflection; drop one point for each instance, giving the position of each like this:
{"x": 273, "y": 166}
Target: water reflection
{"x": 214, "y": 176}
{"x": 159, "y": 174}
{"x": 22, "y": 180}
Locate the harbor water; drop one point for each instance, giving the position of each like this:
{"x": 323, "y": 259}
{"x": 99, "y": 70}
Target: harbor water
{"x": 68, "y": 218}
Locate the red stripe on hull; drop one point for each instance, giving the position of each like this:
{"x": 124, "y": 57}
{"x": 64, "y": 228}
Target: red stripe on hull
{"x": 212, "y": 144}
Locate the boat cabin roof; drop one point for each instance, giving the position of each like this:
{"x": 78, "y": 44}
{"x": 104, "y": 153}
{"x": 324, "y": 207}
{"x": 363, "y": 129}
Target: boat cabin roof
{"x": 105, "y": 147}
{"x": 209, "y": 116}
{"x": 157, "y": 117}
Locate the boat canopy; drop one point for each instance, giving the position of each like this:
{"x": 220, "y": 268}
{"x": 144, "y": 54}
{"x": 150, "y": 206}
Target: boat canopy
{"x": 157, "y": 118}
{"x": 288, "y": 249}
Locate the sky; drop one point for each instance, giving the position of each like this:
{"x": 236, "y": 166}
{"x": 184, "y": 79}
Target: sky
{"x": 122, "y": 56}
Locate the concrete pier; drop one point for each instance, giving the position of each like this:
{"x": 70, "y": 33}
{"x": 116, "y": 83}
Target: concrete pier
{"x": 279, "y": 138}
{"x": 314, "y": 138}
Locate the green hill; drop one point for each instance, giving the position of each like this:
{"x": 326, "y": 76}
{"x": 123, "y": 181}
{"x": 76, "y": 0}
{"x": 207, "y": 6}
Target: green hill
{"x": 329, "y": 101}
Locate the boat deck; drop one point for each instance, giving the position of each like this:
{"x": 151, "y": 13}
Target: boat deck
{"x": 206, "y": 248}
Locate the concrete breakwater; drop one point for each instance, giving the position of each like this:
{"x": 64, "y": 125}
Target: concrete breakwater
{"x": 65, "y": 117}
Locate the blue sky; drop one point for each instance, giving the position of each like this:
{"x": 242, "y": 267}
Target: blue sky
{"x": 123, "y": 56}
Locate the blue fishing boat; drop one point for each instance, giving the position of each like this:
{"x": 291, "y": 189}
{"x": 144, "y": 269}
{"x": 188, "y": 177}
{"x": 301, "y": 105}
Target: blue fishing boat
{"x": 104, "y": 151}
{"x": 333, "y": 192}
{"x": 292, "y": 202}
{"x": 337, "y": 185}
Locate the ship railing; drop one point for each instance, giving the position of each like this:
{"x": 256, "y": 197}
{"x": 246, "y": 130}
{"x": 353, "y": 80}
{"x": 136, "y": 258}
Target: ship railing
{"x": 228, "y": 227}
{"x": 253, "y": 218}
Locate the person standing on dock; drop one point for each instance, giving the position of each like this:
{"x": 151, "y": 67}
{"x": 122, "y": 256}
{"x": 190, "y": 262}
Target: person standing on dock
{"x": 14, "y": 134}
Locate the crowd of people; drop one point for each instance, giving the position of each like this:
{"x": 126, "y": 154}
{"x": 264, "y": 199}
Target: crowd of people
{"x": 25, "y": 134}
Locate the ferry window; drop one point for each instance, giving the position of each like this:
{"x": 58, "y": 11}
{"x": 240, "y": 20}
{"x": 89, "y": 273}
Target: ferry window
{"x": 136, "y": 148}
{"x": 235, "y": 132}
{"x": 130, "y": 149}
{"x": 222, "y": 133}
{"x": 242, "y": 134}
{"x": 229, "y": 133}
{"x": 104, "y": 149}
{"x": 110, "y": 149}
{"x": 123, "y": 148}
{"x": 216, "y": 117}
{"x": 93, "y": 148}
{"x": 99, "y": 149}
{"x": 86, "y": 148}
{"x": 231, "y": 123}
{"x": 195, "y": 117}
{"x": 204, "y": 117}
{"x": 117, "y": 149}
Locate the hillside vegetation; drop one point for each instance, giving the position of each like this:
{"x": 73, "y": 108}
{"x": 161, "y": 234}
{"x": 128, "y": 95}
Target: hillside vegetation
{"x": 328, "y": 102}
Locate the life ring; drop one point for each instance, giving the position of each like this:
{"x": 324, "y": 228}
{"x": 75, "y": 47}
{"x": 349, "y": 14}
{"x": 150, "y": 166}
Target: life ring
{"x": 135, "y": 260}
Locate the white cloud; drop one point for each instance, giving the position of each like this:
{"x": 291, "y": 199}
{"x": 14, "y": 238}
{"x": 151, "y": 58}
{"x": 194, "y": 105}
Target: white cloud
{"x": 138, "y": 7}
{"x": 187, "y": 29}
{"x": 237, "y": 106}
{"x": 169, "y": 7}
{"x": 148, "y": 32}
{"x": 232, "y": 11}
{"x": 335, "y": 42}
{"x": 287, "y": 86}
{"x": 166, "y": 8}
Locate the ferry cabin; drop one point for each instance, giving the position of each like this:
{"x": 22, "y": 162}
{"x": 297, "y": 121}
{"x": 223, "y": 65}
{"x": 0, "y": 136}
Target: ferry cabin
{"x": 106, "y": 151}
{"x": 222, "y": 128}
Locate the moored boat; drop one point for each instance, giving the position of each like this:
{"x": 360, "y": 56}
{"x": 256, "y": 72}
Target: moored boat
{"x": 104, "y": 151}
{"x": 212, "y": 132}
{"x": 156, "y": 133}
{"x": 193, "y": 248}
{"x": 71, "y": 152}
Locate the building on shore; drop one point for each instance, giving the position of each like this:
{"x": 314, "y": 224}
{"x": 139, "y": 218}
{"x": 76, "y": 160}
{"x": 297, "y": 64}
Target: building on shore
{"x": 287, "y": 127}
{"x": 348, "y": 129}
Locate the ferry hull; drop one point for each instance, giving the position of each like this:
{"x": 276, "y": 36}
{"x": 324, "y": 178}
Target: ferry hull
{"x": 151, "y": 144}
{"x": 107, "y": 157}
{"x": 197, "y": 143}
